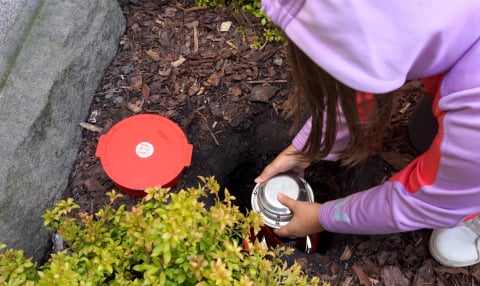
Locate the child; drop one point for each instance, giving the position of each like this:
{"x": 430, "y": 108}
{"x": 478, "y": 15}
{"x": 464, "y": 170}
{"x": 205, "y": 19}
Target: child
{"x": 343, "y": 51}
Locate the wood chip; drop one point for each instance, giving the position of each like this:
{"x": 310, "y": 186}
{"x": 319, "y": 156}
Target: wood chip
{"x": 235, "y": 91}
{"x": 135, "y": 82}
{"x": 178, "y": 62}
{"x": 425, "y": 274}
{"x": 146, "y": 92}
{"x": 225, "y": 26}
{"x": 92, "y": 184}
{"x": 91, "y": 127}
{"x": 392, "y": 276}
{"x": 347, "y": 282}
{"x": 153, "y": 55}
{"x": 231, "y": 44}
{"x": 369, "y": 266}
{"x": 405, "y": 108}
{"x": 263, "y": 93}
{"x": 362, "y": 277}
{"x": 347, "y": 253}
{"x": 213, "y": 79}
{"x": 136, "y": 107}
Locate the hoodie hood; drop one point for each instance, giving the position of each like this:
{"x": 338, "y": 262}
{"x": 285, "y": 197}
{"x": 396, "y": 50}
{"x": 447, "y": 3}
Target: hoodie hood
{"x": 375, "y": 46}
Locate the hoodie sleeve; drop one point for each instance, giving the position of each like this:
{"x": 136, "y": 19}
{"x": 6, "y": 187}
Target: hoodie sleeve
{"x": 441, "y": 187}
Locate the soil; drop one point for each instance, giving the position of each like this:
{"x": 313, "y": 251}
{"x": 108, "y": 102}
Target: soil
{"x": 228, "y": 99}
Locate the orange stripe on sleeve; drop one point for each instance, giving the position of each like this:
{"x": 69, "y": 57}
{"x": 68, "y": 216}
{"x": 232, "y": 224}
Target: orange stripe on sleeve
{"x": 423, "y": 170}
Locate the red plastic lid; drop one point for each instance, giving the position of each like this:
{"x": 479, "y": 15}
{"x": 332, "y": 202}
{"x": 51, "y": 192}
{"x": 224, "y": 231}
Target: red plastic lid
{"x": 144, "y": 151}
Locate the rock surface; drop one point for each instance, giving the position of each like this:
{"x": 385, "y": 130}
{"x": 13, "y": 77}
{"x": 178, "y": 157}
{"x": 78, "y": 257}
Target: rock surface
{"x": 54, "y": 55}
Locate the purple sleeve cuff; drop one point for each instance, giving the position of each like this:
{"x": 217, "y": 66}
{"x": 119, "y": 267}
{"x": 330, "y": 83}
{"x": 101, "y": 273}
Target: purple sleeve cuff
{"x": 301, "y": 138}
{"x": 387, "y": 208}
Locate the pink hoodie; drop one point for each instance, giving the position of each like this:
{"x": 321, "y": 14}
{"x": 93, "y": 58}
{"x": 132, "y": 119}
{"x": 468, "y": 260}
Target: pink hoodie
{"x": 375, "y": 46}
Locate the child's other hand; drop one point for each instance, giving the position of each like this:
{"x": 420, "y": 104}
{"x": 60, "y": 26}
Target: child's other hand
{"x": 305, "y": 218}
{"x": 285, "y": 161}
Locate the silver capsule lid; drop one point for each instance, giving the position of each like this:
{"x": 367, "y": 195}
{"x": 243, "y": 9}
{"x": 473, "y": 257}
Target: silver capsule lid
{"x": 264, "y": 198}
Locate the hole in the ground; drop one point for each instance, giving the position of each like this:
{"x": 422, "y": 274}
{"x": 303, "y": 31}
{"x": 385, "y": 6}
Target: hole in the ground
{"x": 240, "y": 183}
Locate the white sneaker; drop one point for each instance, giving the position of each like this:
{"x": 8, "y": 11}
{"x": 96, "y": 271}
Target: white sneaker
{"x": 458, "y": 246}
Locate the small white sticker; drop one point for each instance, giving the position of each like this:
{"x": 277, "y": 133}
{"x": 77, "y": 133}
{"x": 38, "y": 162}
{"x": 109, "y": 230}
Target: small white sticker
{"x": 144, "y": 149}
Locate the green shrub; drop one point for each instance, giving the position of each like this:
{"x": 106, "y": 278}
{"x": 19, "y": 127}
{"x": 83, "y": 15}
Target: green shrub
{"x": 15, "y": 269}
{"x": 166, "y": 239}
{"x": 270, "y": 32}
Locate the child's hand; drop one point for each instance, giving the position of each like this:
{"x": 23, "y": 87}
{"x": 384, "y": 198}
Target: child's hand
{"x": 285, "y": 161}
{"x": 305, "y": 218}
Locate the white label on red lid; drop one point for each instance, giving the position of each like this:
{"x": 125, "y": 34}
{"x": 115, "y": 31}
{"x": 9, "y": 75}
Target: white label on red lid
{"x": 144, "y": 149}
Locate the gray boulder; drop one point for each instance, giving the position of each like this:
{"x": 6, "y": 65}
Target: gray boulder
{"x": 53, "y": 55}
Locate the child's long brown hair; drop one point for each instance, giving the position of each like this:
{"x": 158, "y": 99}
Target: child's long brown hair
{"x": 322, "y": 94}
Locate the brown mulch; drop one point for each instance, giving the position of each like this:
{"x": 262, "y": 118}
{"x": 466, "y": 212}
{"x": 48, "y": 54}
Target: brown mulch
{"x": 181, "y": 62}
